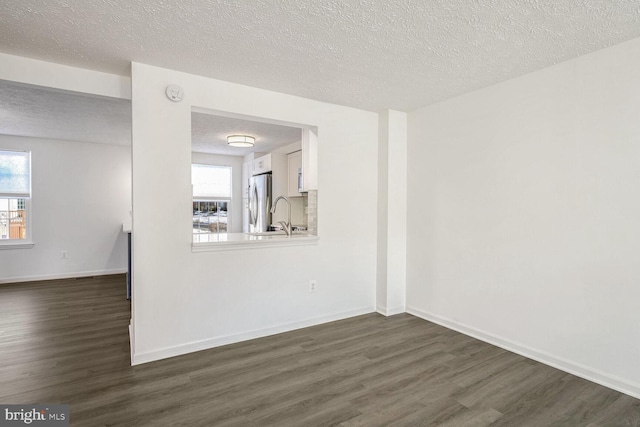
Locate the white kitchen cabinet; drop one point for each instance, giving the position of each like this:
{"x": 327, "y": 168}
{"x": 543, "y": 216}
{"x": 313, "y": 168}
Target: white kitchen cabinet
{"x": 279, "y": 184}
{"x": 294, "y": 163}
{"x": 309, "y": 160}
{"x": 247, "y": 173}
{"x": 262, "y": 164}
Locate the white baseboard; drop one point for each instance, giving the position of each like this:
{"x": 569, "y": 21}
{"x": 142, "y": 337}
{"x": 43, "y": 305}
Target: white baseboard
{"x": 577, "y": 369}
{"x": 390, "y": 312}
{"x": 139, "y": 358}
{"x": 69, "y": 275}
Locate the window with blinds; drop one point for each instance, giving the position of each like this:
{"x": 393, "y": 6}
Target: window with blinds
{"x": 15, "y": 193}
{"x": 211, "y": 198}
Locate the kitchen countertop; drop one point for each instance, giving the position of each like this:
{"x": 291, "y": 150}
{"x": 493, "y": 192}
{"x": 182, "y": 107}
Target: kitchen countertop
{"x": 225, "y": 241}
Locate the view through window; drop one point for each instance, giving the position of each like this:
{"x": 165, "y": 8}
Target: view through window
{"x": 15, "y": 191}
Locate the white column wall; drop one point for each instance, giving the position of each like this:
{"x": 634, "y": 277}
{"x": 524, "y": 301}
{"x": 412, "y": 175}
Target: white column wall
{"x": 383, "y": 217}
{"x": 392, "y": 211}
{"x": 397, "y": 213}
{"x": 184, "y": 301}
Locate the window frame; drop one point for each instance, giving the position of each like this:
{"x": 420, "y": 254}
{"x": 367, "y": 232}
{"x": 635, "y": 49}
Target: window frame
{"x": 27, "y": 242}
{"x": 227, "y": 200}
{"x": 217, "y": 200}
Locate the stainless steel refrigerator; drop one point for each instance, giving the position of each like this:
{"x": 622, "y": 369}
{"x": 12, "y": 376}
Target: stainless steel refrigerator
{"x": 260, "y": 203}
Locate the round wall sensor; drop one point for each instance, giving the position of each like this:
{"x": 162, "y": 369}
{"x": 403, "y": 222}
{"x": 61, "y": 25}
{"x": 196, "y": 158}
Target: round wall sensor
{"x": 175, "y": 93}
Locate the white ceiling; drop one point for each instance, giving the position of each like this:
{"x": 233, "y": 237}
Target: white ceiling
{"x": 209, "y": 134}
{"x": 40, "y": 112}
{"x": 370, "y": 54}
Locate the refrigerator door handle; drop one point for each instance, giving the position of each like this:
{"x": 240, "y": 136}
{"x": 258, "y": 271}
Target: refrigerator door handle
{"x": 253, "y": 215}
{"x": 268, "y": 207}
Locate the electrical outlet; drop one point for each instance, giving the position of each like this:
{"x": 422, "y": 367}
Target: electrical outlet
{"x": 313, "y": 285}
{"x": 64, "y": 255}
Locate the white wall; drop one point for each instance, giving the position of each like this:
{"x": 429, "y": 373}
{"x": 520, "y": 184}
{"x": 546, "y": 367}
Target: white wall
{"x": 524, "y": 215}
{"x": 236, "y": 183}
{"x": 184, "y": 301}
{"x": 81, "y": 194}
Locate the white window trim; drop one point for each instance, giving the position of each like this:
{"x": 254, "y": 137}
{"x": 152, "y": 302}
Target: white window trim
{"x": 11, "y": 244}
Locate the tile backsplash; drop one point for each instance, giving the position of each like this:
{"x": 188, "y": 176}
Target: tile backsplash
{"x": 305, "y": 210}
{"x": 312, "y": 212}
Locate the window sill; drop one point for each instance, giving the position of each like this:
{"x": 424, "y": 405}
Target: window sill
{"x": 234, "y": 241}
{"x": 12, "y": 244}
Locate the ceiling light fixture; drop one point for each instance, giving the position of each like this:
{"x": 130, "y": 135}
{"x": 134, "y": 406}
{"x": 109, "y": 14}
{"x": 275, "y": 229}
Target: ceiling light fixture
{"x": 242, "y": 141}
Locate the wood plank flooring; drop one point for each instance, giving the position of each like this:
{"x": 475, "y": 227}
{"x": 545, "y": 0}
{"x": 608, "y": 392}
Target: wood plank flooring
{"x": 66, "y": 341}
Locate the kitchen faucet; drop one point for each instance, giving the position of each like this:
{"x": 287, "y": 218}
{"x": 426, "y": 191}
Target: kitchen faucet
{"x": 285, "y": 224}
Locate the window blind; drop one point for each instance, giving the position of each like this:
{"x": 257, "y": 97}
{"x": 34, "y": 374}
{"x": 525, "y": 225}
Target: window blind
{"x": 211, "y": 182}
{"x": 15, "y": 174}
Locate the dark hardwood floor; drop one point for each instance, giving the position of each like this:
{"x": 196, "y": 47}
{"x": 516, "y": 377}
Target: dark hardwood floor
{"x": 67, "y": 341}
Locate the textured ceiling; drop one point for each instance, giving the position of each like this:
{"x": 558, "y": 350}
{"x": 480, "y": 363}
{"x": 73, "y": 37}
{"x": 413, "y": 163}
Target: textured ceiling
{"x": 40, "y": 112}
{"x": 371, "y": 54}
{"x": 209, "y": 135}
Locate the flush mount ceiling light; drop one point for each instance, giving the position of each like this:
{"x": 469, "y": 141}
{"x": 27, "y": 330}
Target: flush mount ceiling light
{"x": 242, "y": 141}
